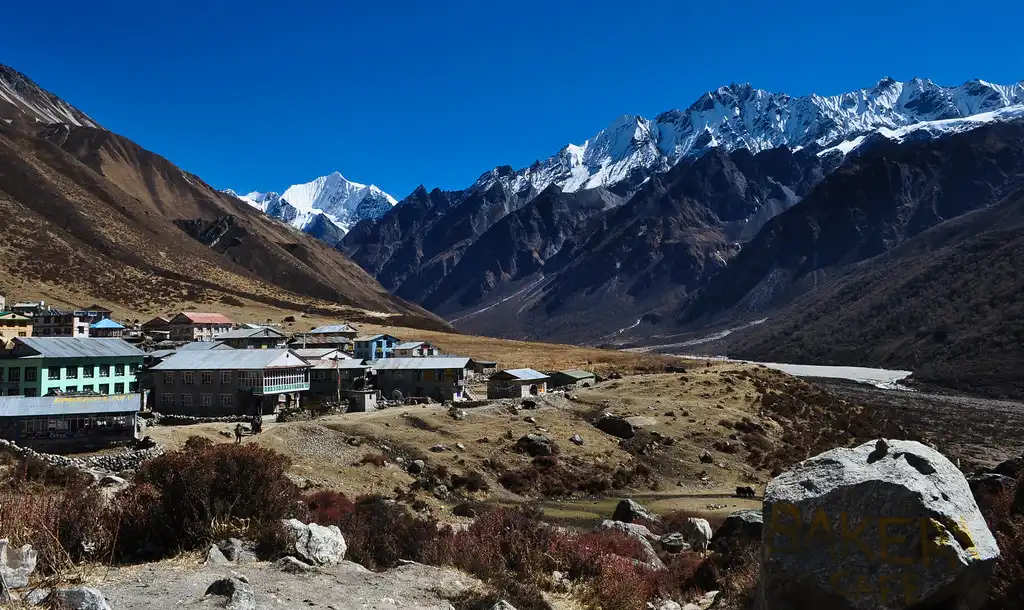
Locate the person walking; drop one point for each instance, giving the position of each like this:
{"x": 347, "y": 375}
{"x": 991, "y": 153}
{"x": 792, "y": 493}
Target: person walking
{"x": 238, "y": 433}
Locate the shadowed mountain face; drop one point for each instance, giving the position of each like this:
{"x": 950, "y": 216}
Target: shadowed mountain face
{"x": 98, "y": 215}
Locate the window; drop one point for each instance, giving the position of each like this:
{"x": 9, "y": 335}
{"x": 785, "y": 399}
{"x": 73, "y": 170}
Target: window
{"x": 87, "y": 371}
{"x": 206, "y": 400}
{"x": 118, "y": 388}
{"x": 186, "y": 400}
{"x": 71, "y": 372}
{"x": 225, "y": 400}
{"x": 53, "y": 372}
{"x": 21, "y": 333}
{"x": 30, "y": 392}
{"x": 167, "y": 400}
{"x": 169, "y": 378}
{"x": 71, "y": 388}
{"x": 417, "y": 375}
{"x": 104, "y": 388}
{"x": 87, "y": 388}
{"x": 225, "y": 377}
{"x": 133, "y": 386}
{"x": 187, "y": 378}
{"x": 81, "y": 330}
{"x": 31, "y": 373}
{"x": 14, "y": 374}
{"x": 104, "y": 370}
{"x": 118, "y": 370}
{"x": 207, "y": 377}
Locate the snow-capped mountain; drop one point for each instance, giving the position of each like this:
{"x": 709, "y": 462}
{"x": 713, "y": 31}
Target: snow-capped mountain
{"x": 328, "y": 198}
{"x": 739, "y": 116}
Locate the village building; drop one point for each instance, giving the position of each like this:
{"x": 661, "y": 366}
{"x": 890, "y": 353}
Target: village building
{"x": 106, "y": 328}
{"x": 374, "y": 347}
{"x": 13, "y": 325}
{"x": 305, "y": 341}
{"x": 262, "y": 337}
{"x": 38, "y": 366}
{"x": 53, "y": 323}
{"x": 335, "y": 330}
{"x": 198, "y": 326}
{"x": 219, "y": 382}
{"x": 329, "y": 378}
{"x": 482, "y": 367}
{"x": 572, "y": 377}
{"x": 440, "y": 378}
{"x": 96, "y": 312}
{"x": 516, "y": 383}
{"x": 69, "y": 423}
{"x": 28, "y": 308}
{"x": 415, "y": 349}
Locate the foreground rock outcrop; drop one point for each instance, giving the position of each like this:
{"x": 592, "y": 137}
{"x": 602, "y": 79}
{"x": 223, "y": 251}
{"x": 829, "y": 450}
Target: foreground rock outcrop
{"x": 316, "y": 544}
{"x": 888, "y": 524}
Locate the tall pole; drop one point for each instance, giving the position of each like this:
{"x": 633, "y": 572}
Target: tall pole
{"x": 337, "y": 377}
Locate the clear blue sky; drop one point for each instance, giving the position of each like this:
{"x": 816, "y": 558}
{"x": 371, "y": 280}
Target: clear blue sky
{"x": 259, "y": 95}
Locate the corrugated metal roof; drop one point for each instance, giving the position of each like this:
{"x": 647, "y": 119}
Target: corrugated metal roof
{"x": 248, "y": 333}
{"x": 320, "y": 340}
{"x": 434, "y": 362}
{"x": 198, "y": 317}
{"x": 318, "y": 353}
{"x": 105, "y": 323}
{"x": 351, "y": 363}
{"x": 410, "y": 345}
{"x": 162, "y": 353}
{"x": 577, "y": 373}
{"x": 21, "y": 406}
{"x": 333, "y": 328}
{"x": 523, "y": 374}
{"x": 484, "y": 363}
{"x": 231, "y": 360}
{"x": 202, "y": 346}
{"x": 79, "y": 347}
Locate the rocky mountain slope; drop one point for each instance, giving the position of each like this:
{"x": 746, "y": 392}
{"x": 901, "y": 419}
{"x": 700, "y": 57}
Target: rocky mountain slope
{"x": 326, "y": 207}
{"x": 94, "y": 214}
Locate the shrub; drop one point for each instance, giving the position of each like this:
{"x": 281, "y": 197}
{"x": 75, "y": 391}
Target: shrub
{"x": 380, "y": 532}
{"x": 327, "y": 507}
{"x": 377, "y": 459}
{"x": 472, "y": 482}
{"x": 181, "y": 498}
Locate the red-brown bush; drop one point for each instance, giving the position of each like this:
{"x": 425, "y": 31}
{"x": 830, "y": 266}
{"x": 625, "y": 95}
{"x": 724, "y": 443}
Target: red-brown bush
{"x": 328, "y": 507}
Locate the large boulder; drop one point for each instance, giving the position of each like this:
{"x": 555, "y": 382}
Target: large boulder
{"x": 316, "y": 544}
{"x": 16, "y": 564}
{"x": 642, "y": 535}
{"x": 741, "y": 526}
{"x": 237, "y": 593}
{"x": 629, "y": 511}
{"x": 615, "y": 425}
{"x": 536, "y": 444}
{"x": 79, "y": 598}
{"x": 888, "y": 524}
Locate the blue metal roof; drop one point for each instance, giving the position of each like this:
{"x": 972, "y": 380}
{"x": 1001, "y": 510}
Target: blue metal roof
{"x": 105, "y": 323}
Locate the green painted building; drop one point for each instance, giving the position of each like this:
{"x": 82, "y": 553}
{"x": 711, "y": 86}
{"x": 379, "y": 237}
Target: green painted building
{"x": 37, "y": 366}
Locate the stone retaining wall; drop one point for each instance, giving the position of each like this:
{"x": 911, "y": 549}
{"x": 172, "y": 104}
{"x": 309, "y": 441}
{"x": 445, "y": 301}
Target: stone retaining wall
{"x": 129, "y": 459}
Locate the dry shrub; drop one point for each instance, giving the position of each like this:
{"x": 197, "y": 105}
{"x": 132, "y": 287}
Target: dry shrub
{"x": 551, "y": 476}
{"x": 379, "y": 532}
{"x": 620, "y": 584}
{"x": 1005, "y": 517}
{"x": 328, "y": 507}
{"x": 472, "y": 482}
{"x": 376, "y": 459}
{"x": 180, "y": 497}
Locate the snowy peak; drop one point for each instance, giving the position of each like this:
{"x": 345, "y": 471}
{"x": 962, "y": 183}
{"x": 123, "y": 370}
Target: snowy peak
{"x": 331, "y": 198}
{"x": 741, "y": 116}
{"x": 23, "y": 101}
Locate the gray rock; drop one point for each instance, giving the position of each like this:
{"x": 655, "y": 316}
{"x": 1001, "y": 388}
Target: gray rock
{"x": 503, "y": 605}
{"x": 216, "y": 557}
{"x": 239, "y": 594}
{"x": 460, "y": 446}
{"x": 236, "y": 550}
{"x": 536, "y": 444}
{"x": 576, "y": 439}
{"x": 315, "y": 543}
{"x": 16, "y": 565}
{"x": 530, "y": 420}
{"x": 457, "y": 414}
{"x": 112, "y": 481}
{"x": 667, "y": 604}
{"x": 439, "y": 448}
{"x": 674, "y": 543}
{"x": 615, "y": 425}
{"x": 629, "y": 511}
{"x": 707, "y": 458}
{"x": 79, "y": 598}
{"x": 888, "y": 524}
{"x": 415, "y": 466}
{"x": 742, "y": 525}
{"x": 441, "y": 492}
{"x": 990, "y": 483}
{"x": 292, "y": 565}
{"x": 642, "y": 535}
{"x": 37, "y": 597}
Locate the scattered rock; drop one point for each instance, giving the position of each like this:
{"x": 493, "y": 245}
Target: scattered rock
{"x": 292, "y": 565}
{"x": 216, "y": 557}
{"x": 440, "y": 492}
{"x": 16, "y": 565}
{"x": 742, "y": 525}
{"x": 457, "y": 414}
{"x": 674, "y": 543}
{"x": 237, "y": 551}
{"x": 560, "y": 582}
{"x": 529, "y": 403}
{"x": 629, "y": 511}
{"x": 615, "y": 425}
{"x": 415, "y": 466}
{"x": 536, "y": 444}
{"x": 576, "y": 439}
{"x": 317, "y": 544}
{"x": 239, "y": 594}
{"x": 465, "y": 509}
{"x": 917, "y": 521}
{"x": 530, "y": 420}
{"x": 641, "y": 421}
{"x": 990, "y": 484}
{"x": 707, "y": 458}
{"x": 460, "y": 446}
{"x": 667, "y": 604}
{"x": 1012, "y": 468}
{"x": 503, "y": 605}
{"x": 439, "y": 448}
{"x": 79, "y": 598}
{"x": 37, "y": 596}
